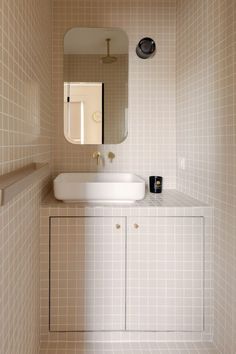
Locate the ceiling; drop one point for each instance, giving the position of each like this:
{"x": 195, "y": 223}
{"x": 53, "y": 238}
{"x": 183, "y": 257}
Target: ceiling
{"x": 80, "y": 40}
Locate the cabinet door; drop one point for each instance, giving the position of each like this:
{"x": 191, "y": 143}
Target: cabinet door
{"x": 87, "y": 275}
{"x": 165, "y": 274}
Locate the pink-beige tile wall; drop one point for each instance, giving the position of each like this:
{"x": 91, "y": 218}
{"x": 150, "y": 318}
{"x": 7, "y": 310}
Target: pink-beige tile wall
{"x": 206, "y": 137}
{"x": 151, "y": 145}
{"x": 88, "y": 68}
{"x": 25, "y": 129}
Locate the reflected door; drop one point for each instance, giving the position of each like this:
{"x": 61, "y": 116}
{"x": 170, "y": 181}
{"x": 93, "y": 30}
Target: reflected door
{"x": 83, "y": 112}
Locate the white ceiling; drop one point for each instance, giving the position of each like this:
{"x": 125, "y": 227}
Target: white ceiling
{"x": 80, "y": 40}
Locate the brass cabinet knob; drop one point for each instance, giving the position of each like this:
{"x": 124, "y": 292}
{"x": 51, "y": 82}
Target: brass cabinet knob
{"x": 118, "y": 226}
{"x": 136, "y": 226}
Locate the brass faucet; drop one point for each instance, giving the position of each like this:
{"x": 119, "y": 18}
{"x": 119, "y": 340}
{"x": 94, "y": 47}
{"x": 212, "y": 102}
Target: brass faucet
{"x": 97, "y": 155}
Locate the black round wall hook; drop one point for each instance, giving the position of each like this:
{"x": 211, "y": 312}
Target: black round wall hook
{"x": 146, "y": 48}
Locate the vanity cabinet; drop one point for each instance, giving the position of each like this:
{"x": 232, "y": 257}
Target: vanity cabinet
{"x": 87, "y": 273}
{"x": 165, "y": 274}
{"x": 148, "y": 278}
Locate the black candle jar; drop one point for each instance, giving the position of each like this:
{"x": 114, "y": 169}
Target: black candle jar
{"x": 155, "y": 184}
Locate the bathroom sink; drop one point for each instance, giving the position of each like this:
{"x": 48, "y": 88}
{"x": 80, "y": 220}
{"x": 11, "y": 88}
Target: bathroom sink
{"x": 98, "y": 187}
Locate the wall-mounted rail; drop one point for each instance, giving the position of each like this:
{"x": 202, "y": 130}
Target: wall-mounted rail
{"x": 16, "y": 181}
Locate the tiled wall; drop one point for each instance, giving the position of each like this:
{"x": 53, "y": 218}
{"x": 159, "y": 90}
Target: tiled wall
{"x": 206, "y": 134}
{"x": 150, "y": 147}
{"x": 206, "y": 137}
{"x": 25, "y": 129}
{"x": 88, "y": 68}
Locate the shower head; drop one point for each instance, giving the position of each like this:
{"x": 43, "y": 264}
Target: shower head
{"x": 108, "y": 59}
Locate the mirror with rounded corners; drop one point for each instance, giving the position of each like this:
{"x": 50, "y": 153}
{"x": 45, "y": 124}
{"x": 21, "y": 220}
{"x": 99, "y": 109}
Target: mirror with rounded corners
{"x": 95, "y": 85}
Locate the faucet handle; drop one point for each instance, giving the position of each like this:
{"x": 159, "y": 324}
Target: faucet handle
{"x": 111, "y": 156}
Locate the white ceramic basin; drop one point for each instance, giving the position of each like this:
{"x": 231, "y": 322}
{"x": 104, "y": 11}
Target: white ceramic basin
{"x": 97, "y": 187}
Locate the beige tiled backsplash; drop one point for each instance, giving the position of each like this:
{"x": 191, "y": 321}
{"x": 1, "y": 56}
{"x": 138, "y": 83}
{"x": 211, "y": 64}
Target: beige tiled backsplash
{"x": 150, "y": 147}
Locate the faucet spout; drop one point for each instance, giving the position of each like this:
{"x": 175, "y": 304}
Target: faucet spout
{"x": 97, "y": 155}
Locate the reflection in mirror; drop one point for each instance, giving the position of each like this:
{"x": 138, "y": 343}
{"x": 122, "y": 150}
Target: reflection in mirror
{"x": 83, "y": 112}
{"x": 95, "y": 85}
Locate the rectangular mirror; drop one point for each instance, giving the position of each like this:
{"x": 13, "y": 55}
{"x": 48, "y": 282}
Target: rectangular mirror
{"x": 95, "y": 85}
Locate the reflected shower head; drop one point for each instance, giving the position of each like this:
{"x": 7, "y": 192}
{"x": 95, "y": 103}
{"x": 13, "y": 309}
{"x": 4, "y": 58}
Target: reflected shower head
{"x": 108, "y": 59}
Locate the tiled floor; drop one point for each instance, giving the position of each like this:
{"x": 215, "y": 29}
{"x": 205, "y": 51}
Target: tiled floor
{"x": 128, "y": 348}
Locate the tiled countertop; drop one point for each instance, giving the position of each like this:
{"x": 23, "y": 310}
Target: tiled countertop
{"x": 169, "y": 203}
